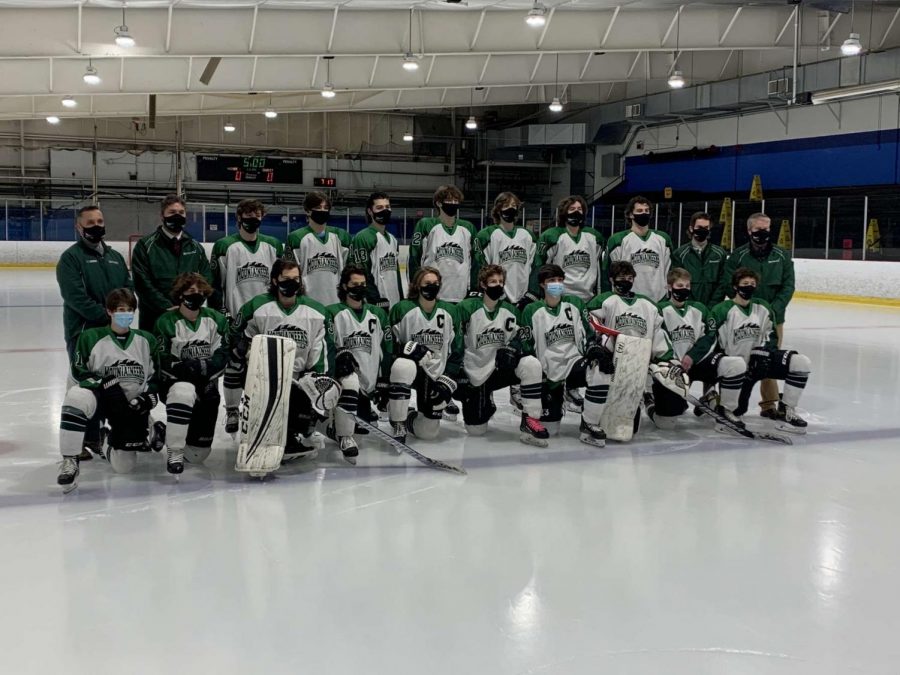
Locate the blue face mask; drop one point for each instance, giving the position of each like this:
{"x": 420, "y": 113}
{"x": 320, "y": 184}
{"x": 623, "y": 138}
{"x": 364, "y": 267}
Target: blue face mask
{"x": 123, "y": 319}
{"x": 555, "y": 288}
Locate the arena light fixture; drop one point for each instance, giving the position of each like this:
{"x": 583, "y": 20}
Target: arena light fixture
{"x": 270, "y": 113}
{"x": 229, "y": 127}
{"x": 852, "y": 46}
{"x": 555, "y": 105}
{"x": 537, "y": 16}
{"x": 407, "y": 136}
{"x": 410, "y": 62}
{"x": 471, "y": 123}
{"x": 123, "y": 37}
{"x": 676, "y": 80}
{"x": 91, "y": 76}
{"x": 69, "y": 102}
{"x": 328, "y": 90}
{"x": 52, "y": 119}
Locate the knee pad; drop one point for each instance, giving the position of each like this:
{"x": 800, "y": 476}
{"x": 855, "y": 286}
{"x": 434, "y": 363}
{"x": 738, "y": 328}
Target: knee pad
{"x": 731, "y": 366}
{"x": 350, "y": 383}
{"x": 195, "y": 455}
{"x": 426, "y": 425}
{"x": 81, "y": 399}
{"x": 665, "y": 422}
{"x": 476, "y": 429}
{"x": 529, "y": 370}
{"x": 799, "y": 363}
{"x": 184, "y": 393}
{"x": 403, "y": 371}
{"x": 122, "y": 461}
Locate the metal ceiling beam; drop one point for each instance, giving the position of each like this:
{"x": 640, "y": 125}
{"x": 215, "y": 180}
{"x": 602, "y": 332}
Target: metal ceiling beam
{"x": 671, "y": 27}
{"x": 169, "y": 28}
{"x": 584, "y": 68}
{"x": 546, "y": 28}
{"x": 478, "y": 29}
{"x": 824, "y": 39}
{"x": 372, "y": 74}
{"x": 889, "y": 28}
{"x": 734, "y": 18}
{"x": 633, "y": 65}
{"x": 337, "y": 8}
{"x": 537, "y": 64}
{"x": 253, "y": 28}
{"x": 430, "y": 69}
{"x": 612, "y": 22}
{"x": 725, "y": 65}
{"x": 484, "y": 69}
{"x": 788, "y": 22}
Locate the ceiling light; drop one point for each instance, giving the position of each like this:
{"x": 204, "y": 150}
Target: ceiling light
{"x": 53, "y": 119}
{"x": 537, "y": 17}
{"x": 407, "y": 136}
{"x": 676, "y": 80}
{"x": 69, "y": 102}
{"x": 410, "y": 62}
{"x": 123, "y": 38}
{"x": 229, "y": 126}
{"x": 828, "y": 95}
{"x": 852, "y": 46}
{"x": 471, "y": 123}
{"x": 556, "y": 105}
{"x": 328, "y": 90}
{"x": 91, "y": 76}
{"x": 270, "y": 113}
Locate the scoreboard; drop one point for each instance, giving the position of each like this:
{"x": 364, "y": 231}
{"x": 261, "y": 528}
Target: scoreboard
{"x": 253, "y": 169}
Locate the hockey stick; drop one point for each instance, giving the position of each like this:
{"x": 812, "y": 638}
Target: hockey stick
{"x": 697, "y": 403}
{"x": 403, "y": 447}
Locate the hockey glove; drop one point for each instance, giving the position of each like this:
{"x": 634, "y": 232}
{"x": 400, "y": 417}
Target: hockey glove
{"x": 415, "y": 352}
{"x": 675, "y": 372}
{"x": 440, "y": 393}
{"x": 382, "y": 394}
{"x": 345, "y": 364}
{"x": 758, "y": 366}
{"x": 526, "y": 300}
{"x": 384, "y": 303}
{"x": 599, "y": 356}
{"x": 506, "y": 359}
{"x": 113, "y": 401}
{"x": 144, "y": 403}
{"x": 474, "y": 294}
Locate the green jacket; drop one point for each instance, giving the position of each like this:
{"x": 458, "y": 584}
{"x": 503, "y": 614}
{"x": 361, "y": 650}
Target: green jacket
{"x": 776, "y": 275}
{"x": 85, "y": 278}
{"x": 706, "y": 270}
{"x": 156, "y": 264}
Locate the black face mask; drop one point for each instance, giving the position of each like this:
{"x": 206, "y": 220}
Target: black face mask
{"x": 289, "y": 287}
{"x": 250, "y": 225}
{"x": 761, "y": 237}
{"x": 495, "y": 292}
{"x": 509, "y": 215}
{"x": 175, "y": 222}
{"x": 382, "y": 217}
{"x": 622, "y": 286}
{"x": 193, "y": 301}
{"x": 700, "y": 233}
{"x": 430, "y": 291}
{"x": 450, "y": 209}
{"x": 93, "y": 234}
{"x": 319, "y": 217}
{"x": 575, "y": 219}
{"x": 356, "y": 292}
{"x": 641, "y": 219}
{"x": 680, "y": 294}
{"x": 746, "y": 292}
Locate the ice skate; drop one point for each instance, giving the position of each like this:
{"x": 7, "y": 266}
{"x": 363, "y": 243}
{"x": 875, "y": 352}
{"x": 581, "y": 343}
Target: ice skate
{"x": 68, "y": 472}
{"x": 533, "y": 432}
{"x": 231, "y": 421}
{"x": 349, "y": 448}
{"x": 298, "y": 448}
{"x": 592, "y": 434}
{"x": 731, "y": 417}
{"x": 788, "y": 420}
{"x": 399, "y": 431}
{"x": 175, "y": 461}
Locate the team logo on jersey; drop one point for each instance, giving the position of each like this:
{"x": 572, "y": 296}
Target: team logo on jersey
{"x": 683, "y": 333}
{"x": 513, "y": 254}
{"x": 492, "y": 336}
{"x": 359, "y": 339}
{"x": 577, "y": 258}
{"x": 645, "y": 256}
{"x": 128, "y": 371}
{"x": 449, "y": 251}
{"x": 561, "y": 333}
{"x": 295, "y": 333}
{"x": 627, "y": 320}
{"x": 322, "y": 262}
{"x": 253, "y": 271}
{"x": 429, "y": 337}
{"x": 195, "y": 349}
{"x": 747, "y": 331}
{"x": 388, "y": 262}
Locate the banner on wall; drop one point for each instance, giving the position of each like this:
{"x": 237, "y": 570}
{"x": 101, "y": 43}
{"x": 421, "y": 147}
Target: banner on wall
{"x": 873, "y": 237}
{"x": 725, "y": 220}
{"x": 756, "y": 193}
{"x": 785, "y": 240}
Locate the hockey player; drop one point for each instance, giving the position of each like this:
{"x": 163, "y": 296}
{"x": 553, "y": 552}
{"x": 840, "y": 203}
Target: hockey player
{"x": 364, "y": 343}
{"x": 512, "y": 247}
{"x": 692, "y": 332}
{"x": 746, "y": 328}
{"x": 428, "y": 347}
{"x": 377, "y": 252}
{"x": 493, "y": 359}
{"x": 574, "y": 247}
{"x": 554, "y": 331}
{"x": 649, "y": 251}
{"x": 320, "y": 250}
{"x": 116, "y": 375}
{"x": 285, "y": 311}
{"x": 193, "y": 350}
{"x": 446, "y": 243}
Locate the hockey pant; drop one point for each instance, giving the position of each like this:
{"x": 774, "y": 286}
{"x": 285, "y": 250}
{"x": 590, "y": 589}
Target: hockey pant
{"x": 787, "y": 365}
{"x": 191, "y": 413}
{"x": 406, "y": 375}
{"x": 477, "y": 405}
{"x": 728, "y": 371}
{"x": 348, "y": 405}
{"x": 581, "y": 375}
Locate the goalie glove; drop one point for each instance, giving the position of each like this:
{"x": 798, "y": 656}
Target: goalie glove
{"x": 440, "y": 393}
{"x": 345, "y": 364}
{"x": 415, "y": 351}
{"x": 322, "y": 391}
{"x": 671, "y": 375}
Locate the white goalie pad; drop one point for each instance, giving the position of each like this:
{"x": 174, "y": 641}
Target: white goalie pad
{"x": 679, "y": 385}
{"x": 265, "y": 404}
{"x": 631, "y": 357}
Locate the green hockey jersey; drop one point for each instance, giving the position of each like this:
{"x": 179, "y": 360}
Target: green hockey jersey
{"x": 367, "y": 334}
{"x": 484, "y": 333}
{"x": 241, "y": 270}
{"x": 321, "y": 260}
{"x": 438, "y": 330}
{"x": 180, "y": 339}
{"x": 101, "y": 352}
{"x": 378, "y": 253}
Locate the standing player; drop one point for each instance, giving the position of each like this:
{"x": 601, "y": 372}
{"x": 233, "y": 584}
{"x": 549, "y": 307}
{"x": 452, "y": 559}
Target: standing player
{"x": 510, "y": 246}
{"x": 746, "y": 328}
{"x": 446, "y": 243}
{"x": 116, "y": 375}
{"x": 377, "y": 252}
{"x": 429, "y": 351}
{"x": 320, "y": 250}
{"x": 493, "y": 359}
{"x": 574, "y": 247}
{"x": 364, "y": 342}
{"x": 649, "y": 251}
{"x": 692, "y": 331}
{"x": 193, "y": 350}
{"x": 703, "y": 260}
{"x": 286, "y": 312}
{"x": 554, "y": 330}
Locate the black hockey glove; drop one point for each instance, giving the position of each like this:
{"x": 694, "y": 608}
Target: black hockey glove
{"x": 415, "y": 352}
{"x": 113, "y": 401}
{"x": 474, "y": 294}
{"x": 144, "y": 403}
{"x": 384, "y": 303}
{"x": 440, "y": 393}
{"x": 506, "y": 359}
{"x": 345, "y": 364}
{"x": 382, "y": 394}
{"x": 191, "y": 370}
{"x": 758, "y": 366}
{"x": 526, "y": 300}
{"x": 598, "y": 355}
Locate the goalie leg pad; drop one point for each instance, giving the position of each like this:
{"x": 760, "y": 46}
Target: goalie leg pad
{"x": 631, "y": 358}
{"x": 78, "y": 408}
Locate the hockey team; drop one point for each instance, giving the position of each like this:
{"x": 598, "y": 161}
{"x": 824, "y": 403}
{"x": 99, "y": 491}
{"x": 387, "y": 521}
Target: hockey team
{"x": 567, "y": 321}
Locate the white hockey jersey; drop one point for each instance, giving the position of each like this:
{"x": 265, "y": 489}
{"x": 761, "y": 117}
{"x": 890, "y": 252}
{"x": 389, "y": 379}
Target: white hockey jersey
{"x": 556, "y": 336}
{"x": 447, "y": 249}
{"x": 485, "y": 333}
{"x": 687, "y": 327}
{"x": 651, "y": 256}
{"x": 438, "y": 331}
{"x": 321, "y": 261}
{"x": 241, "y": 269}
{"x": 740, "y": 329}
{"x": 581, "y": 258}
{"x": 514, "y": 251}
{"x": 367, "y": 334}
{"x": 379, "y": 255}
{"x": 101, "y": 353}
{"x": 636, "y": 316}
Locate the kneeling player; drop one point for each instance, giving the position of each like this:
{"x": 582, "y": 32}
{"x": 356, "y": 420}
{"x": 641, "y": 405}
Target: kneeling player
{"x": 116, "y": 379}
{"x": 428, "y": 347}
{"x": 746, "y": 328}
{"x": 692, "y": 331}
{"x": 286, "y": 312}
{"x": 364, "y": 344}
{"x": 493, "y": 359}
{"x": 554, "y": 331}
{"x": 193, "y": 350}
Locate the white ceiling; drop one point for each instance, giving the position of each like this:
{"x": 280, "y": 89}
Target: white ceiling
{"x": 275, "y": 48}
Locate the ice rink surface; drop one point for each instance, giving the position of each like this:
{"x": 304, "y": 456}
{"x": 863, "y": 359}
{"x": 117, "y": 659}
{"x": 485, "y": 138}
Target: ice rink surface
{"x": 692, "y": 553}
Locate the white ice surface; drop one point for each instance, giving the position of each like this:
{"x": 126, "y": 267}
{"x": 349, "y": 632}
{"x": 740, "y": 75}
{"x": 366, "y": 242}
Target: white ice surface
{"x": 687, "y": 554}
